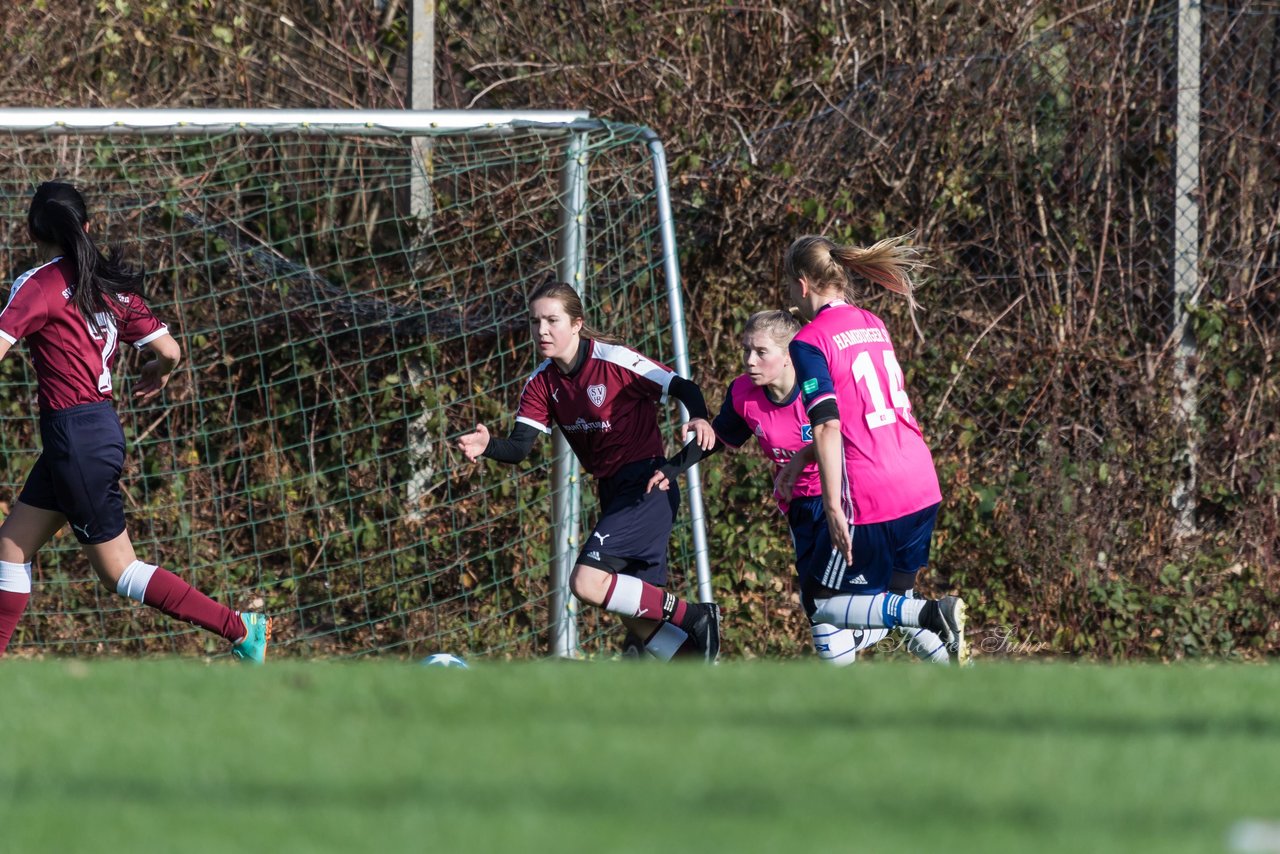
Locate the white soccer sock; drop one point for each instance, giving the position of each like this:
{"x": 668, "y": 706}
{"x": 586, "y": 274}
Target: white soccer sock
{"x": 625, "y": 598}
{"x": 925, "y": 645}
{"x": 881, "y": 611}
{"x": 15, "y": 577}
{"x": 839, "y": 647}
{"x": 134, "y": 580}
{"x": 666, "y": 641}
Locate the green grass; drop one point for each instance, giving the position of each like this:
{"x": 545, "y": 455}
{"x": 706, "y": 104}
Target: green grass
{"x": 178, "y": 755}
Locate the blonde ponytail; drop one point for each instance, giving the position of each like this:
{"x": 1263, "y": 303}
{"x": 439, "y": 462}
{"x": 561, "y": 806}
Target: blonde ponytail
{"x": 889, "y": 263}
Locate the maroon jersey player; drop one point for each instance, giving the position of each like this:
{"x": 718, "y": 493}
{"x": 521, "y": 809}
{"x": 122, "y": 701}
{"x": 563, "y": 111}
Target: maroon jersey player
{"x": 75, "y": 312}
{"x": 604, "y": 397}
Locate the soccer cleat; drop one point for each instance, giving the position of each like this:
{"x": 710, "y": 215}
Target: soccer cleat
{"x": 253, "y": 646}
{"x": 952, "y": 610}
{"x": 632, "y": 647}
{"x": 945, "y": 618}
{"x": 705, "y": 631}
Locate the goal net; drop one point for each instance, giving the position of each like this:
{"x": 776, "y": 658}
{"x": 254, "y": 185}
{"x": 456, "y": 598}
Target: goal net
{"x": 349, "y": 290}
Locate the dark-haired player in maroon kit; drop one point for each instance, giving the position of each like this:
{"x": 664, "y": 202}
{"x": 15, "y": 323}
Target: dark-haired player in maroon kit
{"x": 75, "y": 311}
{"x": 604, "y": 397}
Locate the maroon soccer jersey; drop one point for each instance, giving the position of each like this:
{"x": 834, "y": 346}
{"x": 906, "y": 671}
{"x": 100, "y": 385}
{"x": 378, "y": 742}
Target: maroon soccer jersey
{"x": 607, "y": 408}
{"x": 72, "y": 360}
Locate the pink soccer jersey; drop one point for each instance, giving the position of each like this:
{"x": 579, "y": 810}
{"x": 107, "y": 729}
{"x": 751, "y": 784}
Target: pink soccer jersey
{"x": 845, "y": 354}
{"x": 72, "y": 360}
{"x": 782, "y": 430}
{"x": 607, "y": 408}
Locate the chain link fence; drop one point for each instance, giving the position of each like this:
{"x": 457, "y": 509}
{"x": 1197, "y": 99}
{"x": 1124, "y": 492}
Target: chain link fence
{"x": 1096, "y": 369}
{"x": 1098, "y": 185}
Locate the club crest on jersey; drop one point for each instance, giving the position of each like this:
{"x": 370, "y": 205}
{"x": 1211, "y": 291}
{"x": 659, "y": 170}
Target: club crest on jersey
{"x": 806, "y": 433}
{"x": 596, "y": 393}
{"x": 759, "y": 430}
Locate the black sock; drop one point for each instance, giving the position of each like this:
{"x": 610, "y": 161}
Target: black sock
{"x": 693, "y": 612}
{"x": 931, "y": 618}
{"x": 670, "y": 605}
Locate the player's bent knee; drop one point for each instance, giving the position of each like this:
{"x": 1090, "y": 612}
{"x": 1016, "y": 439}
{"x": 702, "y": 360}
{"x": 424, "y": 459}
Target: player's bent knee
{"x": 10, "y": 552}
{"x": 15, "y": 545}
{"x": 900, "y": 582}
{"x": 589, "y": 584}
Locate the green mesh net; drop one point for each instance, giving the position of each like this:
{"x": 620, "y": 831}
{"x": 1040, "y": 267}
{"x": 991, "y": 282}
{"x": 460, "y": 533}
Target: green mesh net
{"x": 337, "y": 337}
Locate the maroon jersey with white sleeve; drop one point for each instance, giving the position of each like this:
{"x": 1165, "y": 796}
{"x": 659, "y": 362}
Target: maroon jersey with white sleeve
{"x": 73, "y": 360}
{"x": 607, "y": 408}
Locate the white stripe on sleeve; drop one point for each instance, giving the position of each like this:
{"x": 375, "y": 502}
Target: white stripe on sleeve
{"x": 142, "y": 342}
{"x": 534, "y": 424}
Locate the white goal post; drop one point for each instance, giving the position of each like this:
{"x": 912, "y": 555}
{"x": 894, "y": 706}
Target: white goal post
{"x": 335, "y": 340}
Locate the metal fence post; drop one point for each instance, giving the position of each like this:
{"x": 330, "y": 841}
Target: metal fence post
{"x": 1186, "y": 255}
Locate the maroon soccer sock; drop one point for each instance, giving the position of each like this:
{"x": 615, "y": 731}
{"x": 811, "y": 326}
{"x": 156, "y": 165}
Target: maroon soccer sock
{"x": 168, "y": 593}
{"x": 11, "y": 607}
{"x": 631, "y": 597}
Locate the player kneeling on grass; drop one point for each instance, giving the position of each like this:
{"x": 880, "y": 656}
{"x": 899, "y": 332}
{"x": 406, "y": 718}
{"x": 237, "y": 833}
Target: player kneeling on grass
{"x": 765, "y": 402}
{"x": 72, "y": 311}
{"x": 604, "y": 398}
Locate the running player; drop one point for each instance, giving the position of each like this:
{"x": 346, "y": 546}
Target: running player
{"x": 74, "y": 311}
{"x": 765, "y": 403}
{"x": 604, "y": 397}
{"x": 879, "y": 487}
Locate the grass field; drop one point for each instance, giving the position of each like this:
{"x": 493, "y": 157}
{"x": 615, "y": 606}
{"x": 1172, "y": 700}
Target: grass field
{"x": 178, "y": 755}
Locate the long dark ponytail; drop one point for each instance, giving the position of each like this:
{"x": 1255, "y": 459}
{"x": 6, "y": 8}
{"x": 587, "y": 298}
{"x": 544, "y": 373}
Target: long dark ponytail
{"x": 57, "y": 217}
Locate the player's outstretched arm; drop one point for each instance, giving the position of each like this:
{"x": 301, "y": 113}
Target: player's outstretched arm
{"x": 689, "y": 455}
{"x": 729, "y": 430}
{"x": 512, "y": 449}
{"x": 473, "y": 444}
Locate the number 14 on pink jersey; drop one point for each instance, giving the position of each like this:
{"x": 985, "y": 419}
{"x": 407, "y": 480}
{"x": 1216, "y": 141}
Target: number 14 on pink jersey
{"x": 881, "y": 414}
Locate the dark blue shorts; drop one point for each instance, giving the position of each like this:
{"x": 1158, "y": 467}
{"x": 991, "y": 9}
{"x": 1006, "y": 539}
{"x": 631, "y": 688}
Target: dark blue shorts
{"x": 78, "y": 472}
{"x": 806, "y": 518}
{"x": 634, "y": 528}
{"x": 879, "y": 549}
